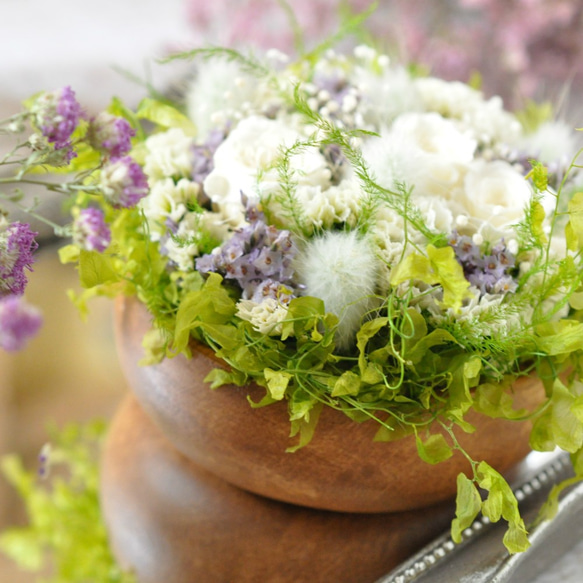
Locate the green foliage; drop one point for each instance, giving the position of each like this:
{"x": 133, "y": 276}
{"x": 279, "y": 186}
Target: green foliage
{"x": 66, "y": 530}
{"x": 409, "y": 372}
{"x": 438, "y": 267}
{"x": 164, "y": 115}
{"x": 534, "y": 114}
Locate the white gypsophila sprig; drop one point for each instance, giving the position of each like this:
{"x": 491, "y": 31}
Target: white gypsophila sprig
{"x": 386, "y": 93}
{"x": 341, "y": 269}
{"x": 266, "y": 317}
{"x": 322, "y": 208}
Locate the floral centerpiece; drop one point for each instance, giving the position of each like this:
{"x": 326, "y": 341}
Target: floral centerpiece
{"x": 342, "y": 231}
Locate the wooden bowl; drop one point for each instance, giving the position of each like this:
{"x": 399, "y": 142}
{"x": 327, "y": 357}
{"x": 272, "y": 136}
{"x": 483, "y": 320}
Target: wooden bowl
{"x": 342, "y": 468}
{"x": 169, "y": 520}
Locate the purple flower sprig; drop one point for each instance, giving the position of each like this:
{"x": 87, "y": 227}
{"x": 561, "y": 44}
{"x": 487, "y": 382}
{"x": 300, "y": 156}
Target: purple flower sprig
{"x": 123, "y": 182}
{"x": 258, "y": 257}
{"x": 90, "y": 231}
{"x": 19, "y": 322}
{"x": 111, "y": 135}
{"x": 17, "y": 245}
{"x": 57, "y": 115}
{"x": 487, "y": 272}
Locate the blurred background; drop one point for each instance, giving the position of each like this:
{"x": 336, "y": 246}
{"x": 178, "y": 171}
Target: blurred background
{"x": 522, "y": 48}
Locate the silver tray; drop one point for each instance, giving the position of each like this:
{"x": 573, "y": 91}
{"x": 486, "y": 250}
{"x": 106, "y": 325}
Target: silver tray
{"x": 481, "y": 556}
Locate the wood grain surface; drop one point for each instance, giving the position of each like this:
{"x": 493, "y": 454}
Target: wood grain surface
{"x": 173, "y": 522}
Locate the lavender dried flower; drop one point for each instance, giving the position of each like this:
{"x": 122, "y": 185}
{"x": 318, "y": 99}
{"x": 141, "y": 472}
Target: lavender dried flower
{"x": 19, "y": 321}
{"x": 17, "y": 245}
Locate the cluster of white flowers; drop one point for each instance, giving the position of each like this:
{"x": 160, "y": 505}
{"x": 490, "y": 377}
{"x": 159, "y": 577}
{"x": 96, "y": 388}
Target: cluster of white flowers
{"x": 442, "y": 142}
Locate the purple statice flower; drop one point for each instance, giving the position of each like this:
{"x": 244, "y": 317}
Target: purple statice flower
{"x": 258, "y": 257}
{"x": 17, "y": 245}
{"x": 123, "y": 182}
{"x": 90, "y": 231}
{"x": 489, "y": 273}
{"x": 57, "y": 114}
{"x": 19, "y": 321}
{"x": 111, "y": 134}
{"x": 203, "y": 156}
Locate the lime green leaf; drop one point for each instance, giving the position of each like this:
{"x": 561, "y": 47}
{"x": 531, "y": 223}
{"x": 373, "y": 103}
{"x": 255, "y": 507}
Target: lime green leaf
{"x": 305, "y": 312}
{"x": 347, "y": 384}
{"x": 496, "y": 400}
{"x": 537, "y": 213}
{"x": 439, "y": 267}
{"x": 277, "y": 383}
{"x": 571, "y": 238}
{"x": 465, "y": 376}
{"x": 564, "y": 426}
{"x": 534, "y": 114}
{"x": 366, "y": 332}
{"x": 541, "y": 435}
{"x": 540, "y": 177}
{"x": 413, "y": 267}
{"x": 576, "y": 301}
{"x": 434, "y": 449}
{"x": 372, "y": 374}
{"x": 24, "y": 547}
{"x": 69, "y": 254}
{"x": 551, "y": 505}
{"x": 225, "y": 335}
{"x": 576, "y": 218}
{"x": 95, "y": 269}
{"x": 154, "y": 344}
{"x": 577, "y": 462}
{"x": 305, "y": 426}
{"x": 561, "y": 337}
{"x": 391, "y": 430}
{"x": 117, "y": 107}
{"x": 502, "y": 503}
{"x": 468, "y": 504}
{"x": 165, "y": 115}
{"x": 516, "y": 538}
{"x": 435, "y": 338}
{"x": 210, "y": 305}
{"x": 219, "y": 377}
{"x": 450, "y": 275}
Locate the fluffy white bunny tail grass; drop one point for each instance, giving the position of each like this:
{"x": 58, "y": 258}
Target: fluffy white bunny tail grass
{"x": 341, "y": 269}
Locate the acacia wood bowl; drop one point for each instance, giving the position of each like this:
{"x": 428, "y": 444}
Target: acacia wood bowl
{"x": 341, "y": 469}
{"x": 169, "y": 520}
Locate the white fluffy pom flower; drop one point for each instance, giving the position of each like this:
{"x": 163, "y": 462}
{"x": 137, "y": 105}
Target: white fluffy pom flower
{"x": 218, "y": 93}
{"x": 341, "y": 269}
